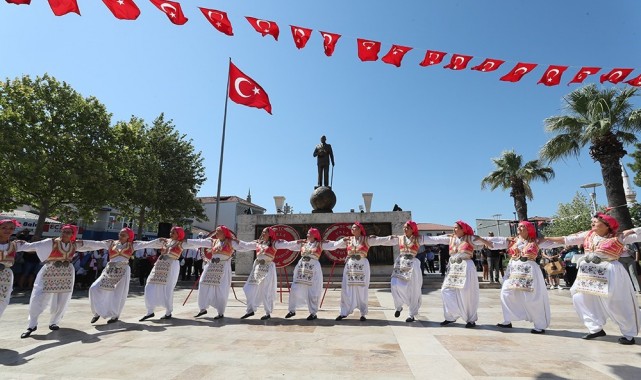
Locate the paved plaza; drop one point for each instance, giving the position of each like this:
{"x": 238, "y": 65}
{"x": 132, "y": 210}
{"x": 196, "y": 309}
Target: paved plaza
{"x": 383, "y": 347}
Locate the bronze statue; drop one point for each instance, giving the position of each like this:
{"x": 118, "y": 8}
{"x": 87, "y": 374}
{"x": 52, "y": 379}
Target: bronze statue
{"x": 323, "y": 153}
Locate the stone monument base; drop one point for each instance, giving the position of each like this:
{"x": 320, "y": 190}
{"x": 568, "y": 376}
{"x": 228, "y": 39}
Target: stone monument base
{"x": 322, "y": 200}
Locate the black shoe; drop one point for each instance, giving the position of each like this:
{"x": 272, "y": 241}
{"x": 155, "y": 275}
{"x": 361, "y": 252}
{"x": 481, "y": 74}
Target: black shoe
{"x": 113, "y": 320}
{"x": 28, "y": 332}
{"x": 595, "y": 335}
{"x": 397, "y": 313}
{"x": 265, "y": 317}
{"x": 312, "y": 317}
{"x": 219, "y": 316}
{"x": 250, "y": 314}
{"x": 626, "y": 341}
{"x": 362, "y": 318}
{"x": 166, "y": 316}
{"x": 290, "y": 314}
{"x": 504, "y": 325}
{"x": 340, "y": 317}
{"x": 54, "y": 327}
{"x": 410, "y": 319}
{"x": 95, "y": 319}
{"x": 202, "y": 312}
{"x": 470, "y": 325}
{"x": 146, "y": 317}
{"x": 535, "y": 331}
{"x": 446, "y": 322}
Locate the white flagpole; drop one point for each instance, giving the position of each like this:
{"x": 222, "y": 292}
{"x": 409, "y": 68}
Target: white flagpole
{"x": 222, "y": 149}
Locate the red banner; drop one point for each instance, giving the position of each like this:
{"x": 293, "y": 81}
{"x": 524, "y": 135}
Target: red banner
{"x": 284, "y": 257}
{"x": 335, "y": 232}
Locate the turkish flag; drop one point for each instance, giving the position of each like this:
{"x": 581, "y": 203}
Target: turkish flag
{"x": 329, "y": 42}
{"x": 368, "y": 50}
{"x": 244, "y": 90}
{"x": 433, "y": 57}
{"x": 395, "y": 55}
{"x": 636, "y": 82}
{"x": 264, "y": 27}
{"x": 172, "y": 9}
{"x": 18, "y": 2}
{"x": 584, "y": 73}
{"x": 518, "y": 72}
{"x": 218, "y": 19}
{"x": 123, "y": 9}
{"x": 616, "y": 75}
{"x": 62, "y": 7}
{"x": 552, "y": 75}
{"x": 489, "y": 65}
{"x": 301, "y": 36}
{"x": 458, "y": 62}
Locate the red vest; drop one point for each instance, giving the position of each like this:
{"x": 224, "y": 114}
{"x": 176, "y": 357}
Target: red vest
{"x": 354, "y": 248}
{"x": 9, "y": 255}
{"x": 465, "y": 246}
{"x": 530, "y": 250}
{"x": 315, "y": 251}
{"x": 57, "y": 254}
{"x": 412, "y": 248}
{"x": 125, "y": 252}
{"x": 610, "y": 246}
{"x": 267, "y": 250}
{"x": 173, "y": 251}
{"x": 220, "y": 246}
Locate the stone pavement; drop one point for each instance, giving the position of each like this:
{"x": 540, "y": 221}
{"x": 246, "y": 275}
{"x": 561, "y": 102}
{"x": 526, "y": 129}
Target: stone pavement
{"x": 383, "y": 347}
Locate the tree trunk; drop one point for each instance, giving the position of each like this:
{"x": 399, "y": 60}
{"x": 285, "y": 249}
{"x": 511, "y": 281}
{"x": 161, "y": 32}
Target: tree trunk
{"x": 614, "y": 191}
{"x": 141, "y": 222}
{"x": 520, "y": 203}
{"x": 42, "y": 216}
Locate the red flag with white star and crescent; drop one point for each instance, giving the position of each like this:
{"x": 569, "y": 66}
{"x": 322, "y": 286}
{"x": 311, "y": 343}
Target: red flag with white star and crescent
{"x": 395, "y": 55}
{"x": 552, "y": 75}
{"x": 584, "y": 73}
{"x": 615, "y": 75}
{"x": 218, "y": 20}
{"x": 458, "y": 62}
{"x": 518, "y": 72}
{"x": 636, "y": 82}
{"x": 172, "y": 9}
{"x": 264, "y": 27}
{"x": 123, "y": 9}
{"x": 368, "y": 50}
{"x": 62, "y": 7}
{"x": 433, "y": 57}
{"x": 488, "y": 65}
{"x": 301, "y": 36}
{"x": 329, "y": 42}
{"x": 244, "y": 90}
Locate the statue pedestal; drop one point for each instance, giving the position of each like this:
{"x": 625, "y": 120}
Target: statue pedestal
{"x": 322, "y": 200}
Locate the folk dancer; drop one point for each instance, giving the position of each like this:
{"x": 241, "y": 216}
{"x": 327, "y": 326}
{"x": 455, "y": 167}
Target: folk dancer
{"x": 159, "y": 291}
{"x": 108, "y": 293}
{"x": 54, "y": 282}
{"x": 308, "y": 276}
{"x": 603, "y": 288}
{"x": 356, "y": 274}
{"x": 260, "y": 287}
{"x": 215, "y": 280}
{"x": 524, "y": 296}
{"x": 460, "y": 289}
{"x": 8, "y": 251}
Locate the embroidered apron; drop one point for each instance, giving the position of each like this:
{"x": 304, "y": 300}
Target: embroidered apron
{"x": 260, "y": 269}
{"x": 213, "y": 274}
{"x": 160, "y": 273}
{"x": 456, "y": 274}
{"x": 592, "y": 279}
{"x": 58, "y": 277}
{"x": 403, "y": 267}
{"x": 521, "y": 276}
{"x": 304, "y": 271}
{"x": 112, "y": 274}
{"x": 355, "y": 271}
{"x": 5, "y": 284}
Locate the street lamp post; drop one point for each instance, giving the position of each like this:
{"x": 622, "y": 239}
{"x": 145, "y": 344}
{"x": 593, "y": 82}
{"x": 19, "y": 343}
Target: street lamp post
{"x": 592, "y": 186}
{"x": 498, "y": 226}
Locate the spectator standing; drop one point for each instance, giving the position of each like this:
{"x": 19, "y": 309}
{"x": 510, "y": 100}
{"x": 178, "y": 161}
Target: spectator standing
{"x": 429, "y": 257}
{"x": 629, "y": 259}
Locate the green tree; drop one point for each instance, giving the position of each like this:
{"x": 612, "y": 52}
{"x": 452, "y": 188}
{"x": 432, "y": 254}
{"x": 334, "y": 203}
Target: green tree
{"x": 604, "y": 120}
{"x": 162, "y": 175}
{"x": 571, "y": 217}
{"x": 56, "y": 148}
{"x": 511, "y": 174}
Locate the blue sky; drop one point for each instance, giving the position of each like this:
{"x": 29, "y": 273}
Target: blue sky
{"x": 419, "y": 137}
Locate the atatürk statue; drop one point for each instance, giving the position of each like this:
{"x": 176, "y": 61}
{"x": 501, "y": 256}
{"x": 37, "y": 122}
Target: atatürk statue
{"x": 323, "y": 153}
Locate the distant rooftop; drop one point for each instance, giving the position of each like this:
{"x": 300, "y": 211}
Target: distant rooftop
{"x": 231, "y": 198}
{"x": 433, "y": 227}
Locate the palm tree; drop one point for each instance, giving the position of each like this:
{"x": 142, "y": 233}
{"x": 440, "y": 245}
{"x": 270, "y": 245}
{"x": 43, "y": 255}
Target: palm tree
{"x": 511, "y": 174}
{"x": 604, "y": 120}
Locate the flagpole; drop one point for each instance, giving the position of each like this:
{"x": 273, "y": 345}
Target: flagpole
{"x": 222, "y": 149}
